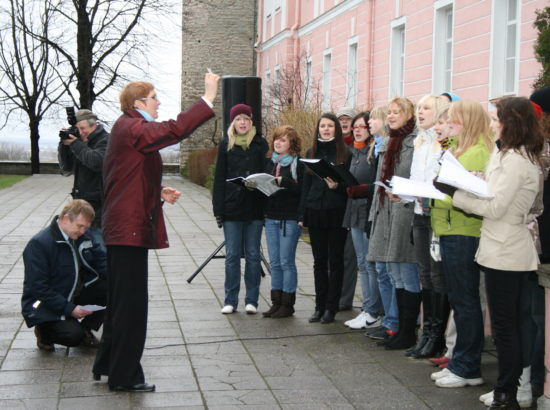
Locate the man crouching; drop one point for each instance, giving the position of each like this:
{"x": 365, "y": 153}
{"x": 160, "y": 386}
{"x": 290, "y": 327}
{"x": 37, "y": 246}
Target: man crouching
{"x": 64, "y": 270}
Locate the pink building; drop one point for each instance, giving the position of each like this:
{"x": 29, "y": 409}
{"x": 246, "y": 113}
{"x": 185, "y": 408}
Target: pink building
{"x": 363, "y": 52}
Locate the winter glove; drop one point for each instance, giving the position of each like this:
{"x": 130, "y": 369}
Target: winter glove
{"x": 445, "y": 188}
{"x": 357, "y": 191}
{"x": 219, "y": 221}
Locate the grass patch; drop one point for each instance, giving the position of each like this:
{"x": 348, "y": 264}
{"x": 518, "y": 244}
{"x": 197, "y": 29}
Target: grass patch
{"x": 8, "y": 180}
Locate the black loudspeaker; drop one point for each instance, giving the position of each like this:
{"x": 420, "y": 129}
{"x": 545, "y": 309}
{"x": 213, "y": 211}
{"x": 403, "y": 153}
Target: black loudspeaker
{"x": 242, "y": 90}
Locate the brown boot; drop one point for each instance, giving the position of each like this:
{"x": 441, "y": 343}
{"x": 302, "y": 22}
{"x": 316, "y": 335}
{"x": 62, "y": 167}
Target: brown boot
{"x": 276, "y": 296}
{"x": 48, "y": 347}
{"x": 287, "y": 306}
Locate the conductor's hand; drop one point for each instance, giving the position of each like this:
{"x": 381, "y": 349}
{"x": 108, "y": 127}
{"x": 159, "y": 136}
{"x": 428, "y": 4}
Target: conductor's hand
{"x": 79, "y": 313}
{"x": 170, "y": 195}
{"x": 211, "y": 86}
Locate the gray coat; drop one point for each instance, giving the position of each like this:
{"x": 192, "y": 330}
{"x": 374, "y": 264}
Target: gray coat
{"x": 364, "y": 170}
{"x": 390, "y": 238}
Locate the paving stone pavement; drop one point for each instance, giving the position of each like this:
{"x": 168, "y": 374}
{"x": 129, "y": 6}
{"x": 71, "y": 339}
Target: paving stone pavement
{"x": 197, "y": 357}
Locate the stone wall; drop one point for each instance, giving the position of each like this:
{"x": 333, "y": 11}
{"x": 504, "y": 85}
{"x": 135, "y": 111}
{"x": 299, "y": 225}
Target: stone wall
{"x": 220, "y": 36}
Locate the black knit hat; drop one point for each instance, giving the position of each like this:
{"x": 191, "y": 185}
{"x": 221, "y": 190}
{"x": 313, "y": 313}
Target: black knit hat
{"x": 542, "y": 98}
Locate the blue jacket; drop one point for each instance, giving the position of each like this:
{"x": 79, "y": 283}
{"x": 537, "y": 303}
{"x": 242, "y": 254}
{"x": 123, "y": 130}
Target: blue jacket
{"x": 51, "y": 273}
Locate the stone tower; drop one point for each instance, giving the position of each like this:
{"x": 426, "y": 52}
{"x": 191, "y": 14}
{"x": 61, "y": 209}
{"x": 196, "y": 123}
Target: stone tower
{"x": 220, "y": 35}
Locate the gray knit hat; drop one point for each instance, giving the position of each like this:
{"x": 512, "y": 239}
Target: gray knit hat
{"x": 82, "y": 115}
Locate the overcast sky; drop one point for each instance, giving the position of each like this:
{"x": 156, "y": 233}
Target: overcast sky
{"x": 165, "y": 74}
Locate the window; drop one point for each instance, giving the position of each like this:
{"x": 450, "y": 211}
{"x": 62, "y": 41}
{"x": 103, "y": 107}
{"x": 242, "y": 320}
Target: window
{"x": 351, "y": 95}
{"x": 267, "y": 88}
{"x": 443, "y": 48}
{"x": 397, "y": 59}
{"x": 327, "y": 61}
{"x": 308, "y": 82}
{"x": 506, "y": 28}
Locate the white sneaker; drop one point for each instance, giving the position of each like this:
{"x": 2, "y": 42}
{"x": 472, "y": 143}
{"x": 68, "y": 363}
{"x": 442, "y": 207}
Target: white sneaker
{"x": 440, "y": 374}
{"x": 485, "y": 397}
{"x": 373, "y": 321}
{"x": 359, "y": 318}
{"x": 453, "y": 381}
{"x": 250, "y": 309}
{"x": 227, "y": 309}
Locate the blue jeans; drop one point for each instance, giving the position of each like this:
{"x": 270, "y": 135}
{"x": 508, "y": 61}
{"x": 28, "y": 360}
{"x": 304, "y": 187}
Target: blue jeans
{"x": 387, "y": 295}
{"x": 462, "y": 274}
{"x": 238, "y": 234}
{"x": 367, "y": 273}
{"x": 282, "y": 239}
{"x": 404, "y": 276}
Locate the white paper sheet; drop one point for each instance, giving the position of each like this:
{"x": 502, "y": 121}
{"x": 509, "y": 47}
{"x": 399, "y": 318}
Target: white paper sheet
{"x": 453, "y": 173}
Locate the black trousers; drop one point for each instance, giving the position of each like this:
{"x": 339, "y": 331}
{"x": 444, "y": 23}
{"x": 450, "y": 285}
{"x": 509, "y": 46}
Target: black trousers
{"x": 70, "y": 332}
{"x": 504, "y": 289}
{"x": 125, "y": 327}
{"x": 327, "y": 245}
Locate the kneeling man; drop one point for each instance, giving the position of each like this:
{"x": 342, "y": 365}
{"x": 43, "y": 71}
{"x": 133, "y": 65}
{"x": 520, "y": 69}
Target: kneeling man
{"x": 65, "y": 269}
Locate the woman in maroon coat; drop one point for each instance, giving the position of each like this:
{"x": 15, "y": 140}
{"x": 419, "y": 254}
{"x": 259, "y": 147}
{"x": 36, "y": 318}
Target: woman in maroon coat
{"x": 133, "y": 222}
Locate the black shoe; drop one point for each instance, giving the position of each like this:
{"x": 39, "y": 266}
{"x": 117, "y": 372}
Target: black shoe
{"x": 316, "y": 317}
{"x": 343, "y": 308}
{"x": 504, "y": 401}
{"x": 136, "y": 388}
{"x": 328, "y": 317}
{"x": 89, "y": 339}
{"x": 373, "y": 330}
{"x": 378, "y": 334}
{"x": 97, "y": 377}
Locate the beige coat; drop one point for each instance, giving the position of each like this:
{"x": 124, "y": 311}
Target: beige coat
{"x": 505, "y": 242}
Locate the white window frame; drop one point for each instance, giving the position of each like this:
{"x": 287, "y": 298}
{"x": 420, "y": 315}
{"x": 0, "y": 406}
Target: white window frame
{"x": 352, "y": 69}
{"x": 327, "y": 68}
{"x": 442, "y": 68}
{"x": 308, "y": 81}
{"x": 397, "y": 57}
{"x": 499, "y": 83}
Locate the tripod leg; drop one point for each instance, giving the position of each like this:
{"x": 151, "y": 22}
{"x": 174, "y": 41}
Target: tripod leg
{"x": 266, "y": 264}
{"x": 212, "y": 255}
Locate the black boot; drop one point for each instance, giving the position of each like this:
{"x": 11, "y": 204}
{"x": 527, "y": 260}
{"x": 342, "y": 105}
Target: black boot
{"x": 399, "y": 295}
{"x": 287, "y": 306}
{"x": 316, "y": 316}
{"x": 407, "y": 329}
{"x": 436, "y": 342}
{"x": 427, "y": 313}
{"x": 328, "y": 317}
{"x": 504, "y": 401}
{"x": 276, "y": 296}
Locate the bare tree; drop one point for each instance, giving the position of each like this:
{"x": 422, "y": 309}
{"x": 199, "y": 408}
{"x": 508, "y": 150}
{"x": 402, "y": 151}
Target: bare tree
{"x": 106, "y": 46}
{"x": 294, "y": 98}
{"x": 29, "y": 80}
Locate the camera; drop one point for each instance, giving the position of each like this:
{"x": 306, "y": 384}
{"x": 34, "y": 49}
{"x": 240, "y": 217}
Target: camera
{"x": 71, "y": 119}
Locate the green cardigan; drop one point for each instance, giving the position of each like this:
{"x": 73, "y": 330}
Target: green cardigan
{"x": 448, "y": 220}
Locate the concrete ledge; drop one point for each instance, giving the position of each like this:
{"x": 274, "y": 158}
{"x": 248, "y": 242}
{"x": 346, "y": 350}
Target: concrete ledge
{"x": 24, "y": 168}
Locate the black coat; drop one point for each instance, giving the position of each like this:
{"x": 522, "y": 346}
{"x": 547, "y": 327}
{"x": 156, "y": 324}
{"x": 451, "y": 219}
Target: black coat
{"x": 317, "y": 196}
{"x": 232, "y": 201}
{"x": 85, "y": 162}
{"x": 52, "y": 273}
{"x": 283, "y": 204}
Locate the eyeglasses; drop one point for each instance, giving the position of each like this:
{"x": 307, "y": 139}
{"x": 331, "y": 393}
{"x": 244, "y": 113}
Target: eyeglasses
{"x": 154, "y": 97}
{"x": 360, "y": 127}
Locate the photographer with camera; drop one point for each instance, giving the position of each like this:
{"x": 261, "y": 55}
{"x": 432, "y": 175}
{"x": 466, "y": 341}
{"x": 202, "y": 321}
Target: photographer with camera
{"x": 81, "y": 152}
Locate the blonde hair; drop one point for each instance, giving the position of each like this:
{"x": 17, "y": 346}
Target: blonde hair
{"x": 475, "y": 122}
{"x": 434, "y": 101}
{"x": 405, "y": 105}
{"x": 443, "y": 111}
{"x": 380, "y": 113}
{"x": 231, "y": 134}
